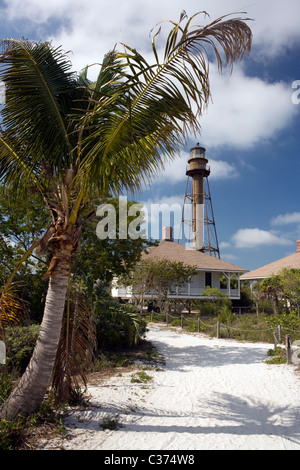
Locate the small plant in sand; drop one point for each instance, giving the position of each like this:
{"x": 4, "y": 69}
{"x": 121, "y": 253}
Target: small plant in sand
{"x": 276, "y": 355}
{"x": 112, "y": 424}
{"x": 141, "y": 377}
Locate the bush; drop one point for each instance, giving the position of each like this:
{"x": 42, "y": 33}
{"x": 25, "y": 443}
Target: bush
{"x": 207, "y": 309}
{"x": 289, "y": 321}
{"x": 20, "y": 342}
{"x": 117, "y": 324}
{"x": 225, "y": 315}
{"x": 11, "y": 434}
{"x": 6, "y": 383}
{"x": 277, "y": 355}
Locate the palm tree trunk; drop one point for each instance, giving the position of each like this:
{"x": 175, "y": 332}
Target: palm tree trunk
{"x": 31, "y": 389}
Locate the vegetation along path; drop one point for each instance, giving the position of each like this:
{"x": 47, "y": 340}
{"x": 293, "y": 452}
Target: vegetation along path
{"x": 210, "y": 394}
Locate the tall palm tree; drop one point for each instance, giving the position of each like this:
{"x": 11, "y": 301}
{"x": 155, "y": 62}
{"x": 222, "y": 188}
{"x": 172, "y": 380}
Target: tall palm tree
{"x": 72, "y": 139}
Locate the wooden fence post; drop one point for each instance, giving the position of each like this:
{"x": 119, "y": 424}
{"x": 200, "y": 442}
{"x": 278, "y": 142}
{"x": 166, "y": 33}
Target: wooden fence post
{"x": 218, "y": 329}
{"x": 167, "y": 318}
{"x": 288, "y": 348}
{"x": 182, "y": 322}
{"x": 198, "y": 324}
{"x": 279, "y": 333}
{"x": 275, "y": 339}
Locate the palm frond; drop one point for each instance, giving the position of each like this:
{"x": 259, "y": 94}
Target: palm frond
{"x": 116, "y": 133}
{"x": 156, "y": 107}
{"x": 75, "y": 350}
{"x": 12, "y": 309}
{"x": 39, "y": 89}
{"x": 17, "y": 169}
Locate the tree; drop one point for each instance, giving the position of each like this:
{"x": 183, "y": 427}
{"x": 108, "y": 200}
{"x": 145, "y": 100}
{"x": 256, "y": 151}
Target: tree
{"x": 217, "y": 299}
{"x": 158, "y": 278}
{"x": 71, "y": 139}
{"x": 282, "y": 289}
{"x": 21, "y": 223}
{"x": 290, "y": 279}
{"x": 271, "y": 288}
{"x": 115, "y": 256}
{"x": 256, "y": 296}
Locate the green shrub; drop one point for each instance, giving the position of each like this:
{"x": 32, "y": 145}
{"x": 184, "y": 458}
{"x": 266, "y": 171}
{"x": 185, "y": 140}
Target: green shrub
{"x": 117, "y": 324}
{"x": 225, "y": 315}
{"x": 277, "y": 355}
{"x": 112, "y": 424}
{"x": 289, "y": 321}
{"x": 12, "y": 433}
{"x": 208, "y": 309}
{"x": 141, "y": 377}
{"x": 20, "y": 342}
{"x": 6, "y": 383}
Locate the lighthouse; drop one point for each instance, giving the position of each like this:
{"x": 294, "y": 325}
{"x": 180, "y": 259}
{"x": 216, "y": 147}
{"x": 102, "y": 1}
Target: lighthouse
{"x": 198, "y": 193}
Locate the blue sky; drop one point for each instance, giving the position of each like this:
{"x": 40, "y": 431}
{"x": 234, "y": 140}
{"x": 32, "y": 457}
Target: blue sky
{"x": 250, "y": 130}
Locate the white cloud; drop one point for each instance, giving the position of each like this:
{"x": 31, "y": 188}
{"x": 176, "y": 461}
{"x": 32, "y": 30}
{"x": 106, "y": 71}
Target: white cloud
{"x": 245, "y": 110}
{"x": 175, "y": 171}
{"x": 222, "y": 170}
{"x": 37, "y": 11}
{"x": 165, "y": 211}
{"x": 253, "y": 237}
{"x": 289, "y": 218}
{"x": 229, "y": 257}
{"x": 275, "y": 26}
{"x": 224, "y": 245}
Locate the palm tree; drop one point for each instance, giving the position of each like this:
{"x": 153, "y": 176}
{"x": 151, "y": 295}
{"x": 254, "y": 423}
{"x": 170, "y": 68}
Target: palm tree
{"x": 72, "y": 139}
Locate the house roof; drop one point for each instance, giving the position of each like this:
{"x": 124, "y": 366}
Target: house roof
{"x": 173, "y": 251}
{"x": 291, "y": 261}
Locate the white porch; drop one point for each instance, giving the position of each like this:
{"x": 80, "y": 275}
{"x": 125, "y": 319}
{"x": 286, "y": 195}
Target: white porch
{"x": 226, "y": 282}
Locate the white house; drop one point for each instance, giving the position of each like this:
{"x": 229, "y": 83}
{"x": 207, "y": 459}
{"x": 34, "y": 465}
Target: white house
{"x": 290, "y": 262}
{"x": 211, "y": 271}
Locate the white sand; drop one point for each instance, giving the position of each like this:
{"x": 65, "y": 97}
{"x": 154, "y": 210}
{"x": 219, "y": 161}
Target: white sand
{"x": 211, "y": 394}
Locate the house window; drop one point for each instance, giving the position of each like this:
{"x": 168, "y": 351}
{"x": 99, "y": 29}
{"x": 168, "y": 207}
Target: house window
{"x": 207, "y": 279}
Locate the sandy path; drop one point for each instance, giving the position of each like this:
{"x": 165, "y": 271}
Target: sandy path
{"x": 212, "y": 394}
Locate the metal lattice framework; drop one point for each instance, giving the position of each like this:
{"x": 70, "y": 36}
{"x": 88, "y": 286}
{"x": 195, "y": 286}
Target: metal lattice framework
{"x": 209, "y": 243}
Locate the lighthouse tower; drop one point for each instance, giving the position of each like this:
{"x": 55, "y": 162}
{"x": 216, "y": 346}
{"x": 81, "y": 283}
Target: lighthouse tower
{"x": 201, "y": 217}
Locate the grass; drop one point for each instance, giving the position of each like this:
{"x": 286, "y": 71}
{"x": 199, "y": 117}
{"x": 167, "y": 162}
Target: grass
{"x": 152, "y": 357}
{"x": 14, "y": 434}
{"x": 111, "y": 360}
{"x": 247, "y": 327}
{"x": 145, "y": 353}
{"x": 111, "y": 424}
{"x": 277, "y": 356}
{"x": 20, "y": 433}
{"x": 141, "y": 377}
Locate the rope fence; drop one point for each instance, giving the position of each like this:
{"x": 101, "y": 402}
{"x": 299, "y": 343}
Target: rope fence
{"x": 197, "y": 322}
